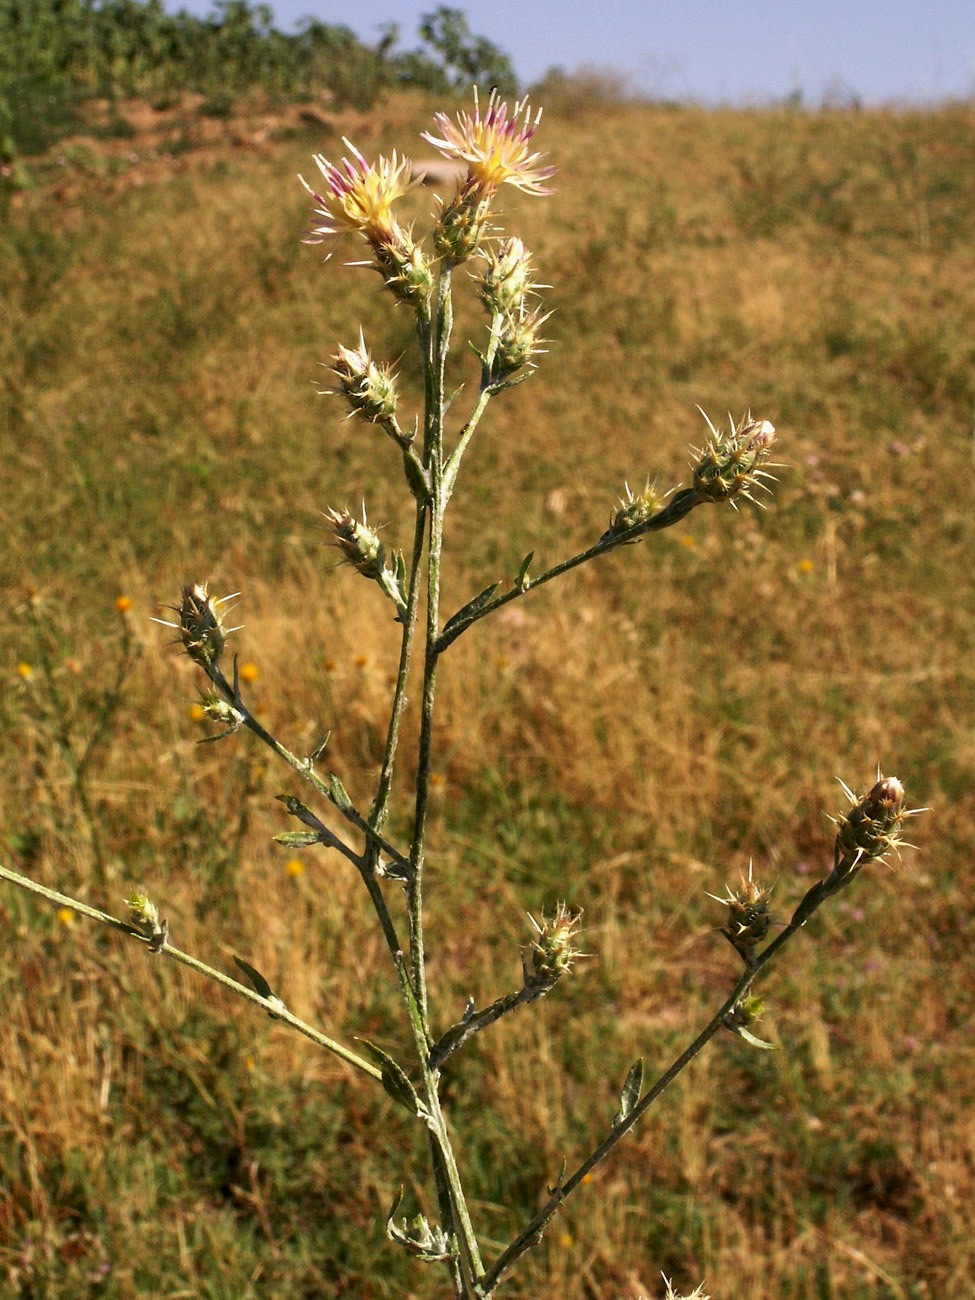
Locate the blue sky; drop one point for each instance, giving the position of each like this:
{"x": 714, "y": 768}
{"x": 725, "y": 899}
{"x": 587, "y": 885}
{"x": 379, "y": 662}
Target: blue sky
{"x": 727, "y": 51}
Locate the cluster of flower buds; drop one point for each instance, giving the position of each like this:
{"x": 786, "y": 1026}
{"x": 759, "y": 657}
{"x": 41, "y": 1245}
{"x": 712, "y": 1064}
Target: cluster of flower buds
{"x": 551, "y": 952}
{"x": 362, "y": 547}
{"x": 200, "y": 626}
{"x": 505, "y": 287}
{"x": 748, "y": 919}
{"x": 731, "y": 465}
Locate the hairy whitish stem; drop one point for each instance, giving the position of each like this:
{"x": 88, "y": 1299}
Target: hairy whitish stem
{"x": 438, "y": 346}
{"x": 380, "y": 805}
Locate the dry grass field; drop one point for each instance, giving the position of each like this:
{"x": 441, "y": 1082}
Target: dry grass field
{"x": 627, "y": 740}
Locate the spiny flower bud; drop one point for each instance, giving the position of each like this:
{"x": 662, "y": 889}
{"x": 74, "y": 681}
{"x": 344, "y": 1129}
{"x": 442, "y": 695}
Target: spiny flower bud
{"x": 507, "y": 277}
{"x": 731, "y": 465}
{"x": 200, "y": 627}
{"x": 405, "y": 269}
{"x": 551, "y": 953}
{"x": 748, "y": 918}
{"x": 144, "y": 915}
{"x": 360, "y": 545}
{"x": 362, "y": 548}
{"x": 634, "y": 510}
{"x": 517, "y": 343}
{"x": 369, "y": 388}
{"x": 462, "y": 225}
{"x": 870, "y": 830}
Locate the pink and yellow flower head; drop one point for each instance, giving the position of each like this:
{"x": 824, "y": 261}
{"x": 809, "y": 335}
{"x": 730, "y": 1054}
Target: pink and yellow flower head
{"x": 495, "y": 147}
{"x": 359, "y": 197}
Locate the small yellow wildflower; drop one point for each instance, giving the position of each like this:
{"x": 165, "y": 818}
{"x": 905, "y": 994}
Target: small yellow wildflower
{"x": 249, "y": 672}
{"x": 197, "y": 712}
{"x": 806, "y": 566}
{"x": 295, "y": 868}
{"x": 66, "y": 917}
{"x": 123, "y": 604}
{"x": 24, "y": 671}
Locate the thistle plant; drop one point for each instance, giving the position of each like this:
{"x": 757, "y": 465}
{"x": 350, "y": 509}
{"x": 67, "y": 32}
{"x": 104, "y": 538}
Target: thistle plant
{"x": 357, "y": 200}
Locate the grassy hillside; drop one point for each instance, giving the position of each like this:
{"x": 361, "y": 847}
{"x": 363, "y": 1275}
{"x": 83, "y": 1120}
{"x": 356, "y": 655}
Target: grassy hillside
{"x": 627, "y": 740}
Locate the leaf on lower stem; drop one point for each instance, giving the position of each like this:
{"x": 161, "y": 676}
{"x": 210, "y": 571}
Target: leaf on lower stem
{"x": 395, "y": 1079}
{"x": 298, "y": 839}
{"x": 472, "y": 607}
{"x": 416, "y": 1235}
{"x": 259, "y": 983}
{"x": 521, "y": 582}
{"x": 632, "y": 1090}
{"x": 339, "y": 794}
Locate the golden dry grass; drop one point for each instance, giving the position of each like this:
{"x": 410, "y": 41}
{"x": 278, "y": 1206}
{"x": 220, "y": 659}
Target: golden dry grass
{"x": 627, "y": 740}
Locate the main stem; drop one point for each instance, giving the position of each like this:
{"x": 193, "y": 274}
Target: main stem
{"x": 438, "y": 343}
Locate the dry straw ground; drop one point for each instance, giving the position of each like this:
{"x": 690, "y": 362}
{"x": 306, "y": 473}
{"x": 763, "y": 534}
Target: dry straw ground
{"x": 627, "y": 740}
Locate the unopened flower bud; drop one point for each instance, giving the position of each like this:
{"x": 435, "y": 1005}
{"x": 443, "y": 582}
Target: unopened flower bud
{"x": 748, "y": 919}
{"x": 517, "y": 343}
{"x": 870, "y": 830}
{"x": 200, "y": 627}
{"x": 635, "y": 509}
{"x": 362, "y": 548}
{"x": 551, "y": 953}
{"x": 507, "y": 277}
{"x": 369, "y": 388}
{"x": 730, "y": 465}
{"x": 360, "y": 545}
{"x": 462, "y": 225}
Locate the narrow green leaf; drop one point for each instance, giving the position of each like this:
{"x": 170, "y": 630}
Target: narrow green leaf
{"x": 472, "y": 607}
{"x": 394, "y": 1078}
{"x": 340, "y": 796}
{"x": 632, "y": 1090}
{"x": 749, "y": 1038}
{"x": 297, "y": 809}
{"x": 298, "y": 839}
{"x": 257, "y": 980}
{"x": 521, "y": 582}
